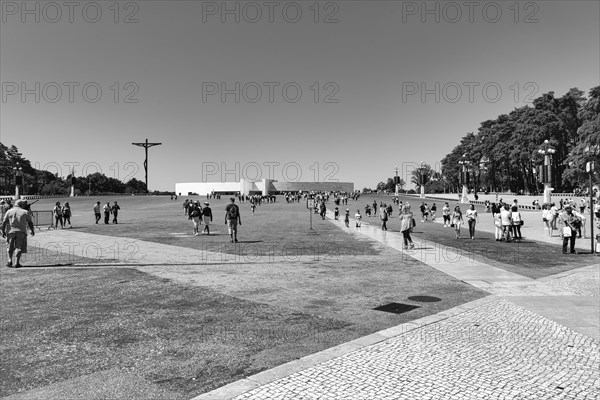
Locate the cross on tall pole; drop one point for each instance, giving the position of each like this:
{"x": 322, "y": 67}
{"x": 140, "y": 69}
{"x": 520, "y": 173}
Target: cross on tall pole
{"x": 145, "y": 145}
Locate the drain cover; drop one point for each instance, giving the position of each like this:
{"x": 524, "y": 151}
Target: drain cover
{"x": 396, "y": 308}
{"x": 424, "y": 299}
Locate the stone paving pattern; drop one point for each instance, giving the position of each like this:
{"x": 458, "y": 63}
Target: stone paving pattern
{"x": 496, "y": 351}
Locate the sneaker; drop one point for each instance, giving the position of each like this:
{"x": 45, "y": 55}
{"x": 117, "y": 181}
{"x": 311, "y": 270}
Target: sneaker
{"x": 236, "y": 240}
{"x": 412, "y": 245}
{"x": 18, "y": 266}
{"x": 9, "y": 264}
{"x": 231, "y": 240}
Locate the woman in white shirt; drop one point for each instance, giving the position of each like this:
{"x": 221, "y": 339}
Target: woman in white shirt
{"x": 457, "y": 220}
{"x": 547, "y": 216}
{"x": 472, "y": 219}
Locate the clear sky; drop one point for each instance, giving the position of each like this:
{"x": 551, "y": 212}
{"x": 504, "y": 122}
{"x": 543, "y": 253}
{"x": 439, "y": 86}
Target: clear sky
{"x": 383, "y": 83}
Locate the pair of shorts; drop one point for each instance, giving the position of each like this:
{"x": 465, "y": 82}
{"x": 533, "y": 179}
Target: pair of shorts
{"x": 17, "y": 241}
{"x": 196, "y": 221}
{"x": 232, "y": 225}
{"x": 446, "y": 218}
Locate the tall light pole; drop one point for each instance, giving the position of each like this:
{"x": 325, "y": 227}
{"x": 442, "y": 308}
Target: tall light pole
{"x": 464, "y": 178}
{"x": 396, "y": 181}
{"x": 18, "y": 180}
{"x": 422, "y": 180}
{"x": 146, "y": 145}
{"x": 547, "y": 150}
{"x": 589, "y": 167}
{"x": 72, "y": 183}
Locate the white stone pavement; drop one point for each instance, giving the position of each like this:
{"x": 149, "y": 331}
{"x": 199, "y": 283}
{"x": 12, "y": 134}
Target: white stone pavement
{"x": 534, "y": 339}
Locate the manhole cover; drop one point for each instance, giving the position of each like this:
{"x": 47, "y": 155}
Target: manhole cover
{"x": 396, "y": 308}
{"x": 424, "y": 299}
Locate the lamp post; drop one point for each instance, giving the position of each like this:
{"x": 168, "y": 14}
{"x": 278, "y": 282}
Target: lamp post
{"x": 396, "y": 181}
{"x": 589, "y": 167}
{"x": 422, "y": 180}
{"x": 464, "y": 178}
{"x": 72, "y": 194}
{"x": 18, "y": 180}
{"x": 547, "y": 150}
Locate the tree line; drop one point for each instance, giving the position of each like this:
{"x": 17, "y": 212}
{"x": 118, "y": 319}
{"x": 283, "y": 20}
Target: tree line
{"x": 503, "y": 154}
{"x": 41, "y": 182}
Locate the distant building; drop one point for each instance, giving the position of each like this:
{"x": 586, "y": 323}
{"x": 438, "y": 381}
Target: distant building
{"x": 266, "y": 186}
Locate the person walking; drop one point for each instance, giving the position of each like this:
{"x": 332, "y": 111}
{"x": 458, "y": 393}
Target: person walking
{"x": 115, "y": 212}
{"x": 358, "y": 218}
{"x": 97, "y": 211}
{"x": 66, "y": 211}
{"x": 472, "y": 219}
{"x": 446, "y": 215}
{"x": 107, "y": 212}
{"x": 517, "y": 221}
{"x": 233, "y": 219}
{"x": 497, "y": 226}
{"x": 580, "y": 226}
{"x": 554, "y": 211}
{"x": 207, "y": 217}
{"x": 384, "y": 218}
{"x": 433, "y": 211}
{"x": 58, "y": 215}
{"x": 194, "y": 213}
{"x": 347, "y": 218}
{"x": 14, "y": 228}
{"x": 406, "y": 223}
{"x": 506, "y": 218}
{"x": 457, "y": 220}
{"x": 547, "y": 219}
{"x": 568, "y": 232}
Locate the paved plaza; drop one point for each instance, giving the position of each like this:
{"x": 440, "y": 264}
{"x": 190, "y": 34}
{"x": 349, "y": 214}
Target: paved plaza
{"x": 529, "y": 339}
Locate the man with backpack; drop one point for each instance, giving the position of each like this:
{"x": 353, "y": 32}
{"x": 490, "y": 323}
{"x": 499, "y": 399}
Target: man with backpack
{"x": 232, "y": 219}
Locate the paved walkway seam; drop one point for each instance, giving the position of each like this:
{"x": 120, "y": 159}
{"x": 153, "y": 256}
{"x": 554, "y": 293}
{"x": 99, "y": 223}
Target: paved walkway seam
{"x": 252, "y": 382}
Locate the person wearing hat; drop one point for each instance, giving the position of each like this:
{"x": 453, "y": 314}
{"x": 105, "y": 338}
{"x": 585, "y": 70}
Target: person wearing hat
{"x": 569, "y": 223}
{"x": 207, "y": 217}
{"x": 14, "y": 228}
{"x": 358, "y": 218}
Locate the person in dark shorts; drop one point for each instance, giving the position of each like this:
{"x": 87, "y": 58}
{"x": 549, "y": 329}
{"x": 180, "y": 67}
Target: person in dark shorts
{"x": 66, "y": 211}
{"x": 14, "y": 229}
{"x": 58, "y": 215}
{"x": 232, "y": 219}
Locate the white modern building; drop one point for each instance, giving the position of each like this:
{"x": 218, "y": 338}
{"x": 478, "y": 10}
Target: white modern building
{"x": 266, "y": 186}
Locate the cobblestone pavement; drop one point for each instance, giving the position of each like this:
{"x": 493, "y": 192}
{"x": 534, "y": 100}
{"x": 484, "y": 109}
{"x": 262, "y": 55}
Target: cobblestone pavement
{"x": 584, "y": 283}
{"x": 496, "y": 351}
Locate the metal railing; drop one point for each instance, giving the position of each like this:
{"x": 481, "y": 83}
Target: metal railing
{"x": 42, "y": 219}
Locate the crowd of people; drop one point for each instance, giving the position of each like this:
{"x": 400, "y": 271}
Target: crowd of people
{"x": 568, "y": 218}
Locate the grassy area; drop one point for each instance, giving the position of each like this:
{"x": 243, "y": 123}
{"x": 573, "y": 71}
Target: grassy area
{"x": 181, "y": 338}
{"x": 278, "y": 227}
{"x": 64, "y": 324}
